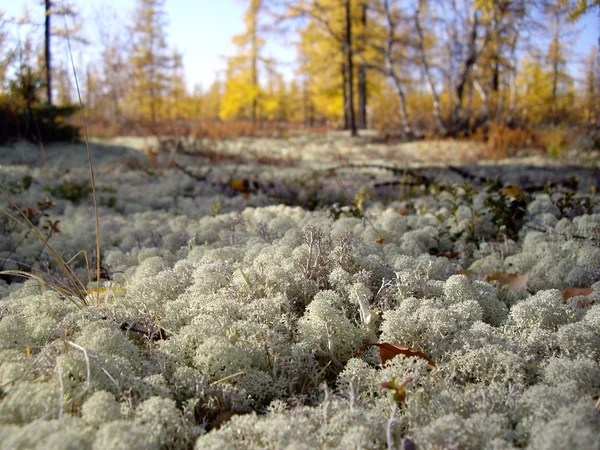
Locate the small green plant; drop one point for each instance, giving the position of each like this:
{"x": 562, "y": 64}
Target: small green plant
{"x": 215, "y": 207}
{"x": 72, "y": 191}
{"x": 17, "y": 187}
{"x": 570, "y": 204}
{"x": 508, "y": 208}
{"x": 462, "y": 195}
{"x": 443, "y": 231}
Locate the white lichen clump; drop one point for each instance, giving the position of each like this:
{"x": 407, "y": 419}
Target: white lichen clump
{"x": 223, "y": 329}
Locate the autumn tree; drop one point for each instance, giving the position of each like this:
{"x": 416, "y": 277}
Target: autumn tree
{"x": 591, "y": 88}
{"x": 336, "y": 31}
{"x": 114, "y": 71}
{"x": 556, "y": 56}
{"x": 213, "y": 99}
{"x": 7, "y": 52}
{"x": 242, "y": 86}
{"x": 178, "y": 103}
{"x": 150, "y": 59}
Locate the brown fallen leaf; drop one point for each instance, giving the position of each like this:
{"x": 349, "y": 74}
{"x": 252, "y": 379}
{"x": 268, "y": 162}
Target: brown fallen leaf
{"x": 513, "y": 191}
{"x": 511, "y": 280}
{"x": 469, "y": 273}
{"x": 388, "y": 351}
{"x": 575, "y": 292}
{"x": 448, "y": 255}
{"x": 222, "y": 417}
{"x": 402, "y": 212}
{"x": 380, "y": 241}
{"x": 240, "y": 185}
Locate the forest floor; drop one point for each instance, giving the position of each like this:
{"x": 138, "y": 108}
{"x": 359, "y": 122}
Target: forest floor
{"x": 242, "y": 276}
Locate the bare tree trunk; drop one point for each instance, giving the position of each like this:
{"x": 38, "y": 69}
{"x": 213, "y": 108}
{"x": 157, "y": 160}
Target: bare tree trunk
{"x": 555, "y": 68}
{"x": 362, "y": 98}
{"x": 362, "y": 77}
{"x": 254, "y": 112}
{"x": 345, "y": 96}
{"x": 390, "y": 71}
{"x": 468, "y": 62}
{"x": 305, "y": 103}
{"x": 349, "y": 70}
{"x": 437, "y": 115}
{"x": 512, "y": 99}
{"x": 47, "y": 52}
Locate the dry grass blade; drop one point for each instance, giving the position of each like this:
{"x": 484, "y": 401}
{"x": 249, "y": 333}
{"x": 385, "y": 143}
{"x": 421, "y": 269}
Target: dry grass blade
{"x": 76, "y": 288}
{"x": 63, "y": 291}
{"x": 89, "y": 153}
{"x": 229, "y": 377}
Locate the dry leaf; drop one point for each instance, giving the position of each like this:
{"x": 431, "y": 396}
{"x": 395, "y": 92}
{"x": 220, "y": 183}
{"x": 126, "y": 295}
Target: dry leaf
{"x": 402, "y": 212}
{"x": 239, "y": 185}
{"x": 380, "y": 241}
{"x": 30, "y": 213}
{"x": 387, "y": 351}
{"x": 449, "y": 255}
{"x": 513, "y": 191}
{"x": 468, "y": 273}
{"x": 222, "y": 417}
{"x": 575, "y": 292}
{"x": 511, "y": 280}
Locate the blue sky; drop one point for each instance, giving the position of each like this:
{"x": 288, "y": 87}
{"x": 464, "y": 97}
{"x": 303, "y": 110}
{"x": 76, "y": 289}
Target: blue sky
{"x": 202, "y": 31}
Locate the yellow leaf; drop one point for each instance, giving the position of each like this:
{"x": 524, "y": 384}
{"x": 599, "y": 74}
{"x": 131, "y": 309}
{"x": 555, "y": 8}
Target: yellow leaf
{"x": 96, "y": 291}
{"x": 239, "y": 185}
{"x": 513, "y": 191}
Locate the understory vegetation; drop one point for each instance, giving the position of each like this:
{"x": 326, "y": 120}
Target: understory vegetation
{"x": 233, "y": 311}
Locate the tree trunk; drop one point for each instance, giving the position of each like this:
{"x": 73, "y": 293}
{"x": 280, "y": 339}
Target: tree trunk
{"x": 555, "y": 69}
{"x": 362, "y": 98}
{"x": 345, "y": 96}
{"x": 305, "y": 103}
{"x": 349, "y": 70}
{"x": 362, "y": 77}
{"x": 391, "y": 72}
{"x": 254, "y": 76}
{"x": 467, "y": 65}
{"x": 437, "y": 115}
{"x": 47, "y": 52}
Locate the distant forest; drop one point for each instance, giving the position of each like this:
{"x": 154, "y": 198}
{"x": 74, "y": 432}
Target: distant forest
{"x": 413, "y": 68}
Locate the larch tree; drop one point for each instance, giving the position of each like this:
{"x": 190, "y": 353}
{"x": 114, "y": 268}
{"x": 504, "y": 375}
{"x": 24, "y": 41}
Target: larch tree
{"x": 212, "y": 100}
{"x": 176, "y": 92}
{"x": 592, "y": 88}
{"x": 114, "y": 49}
{"x": 7, "y": 52}
{"x": 336, "y": 30}
{"x": 321, "y": 64}
{"x": 556, "y": 56}
{"x": 242, "y": 86}
{"x": 150, "y": 59}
